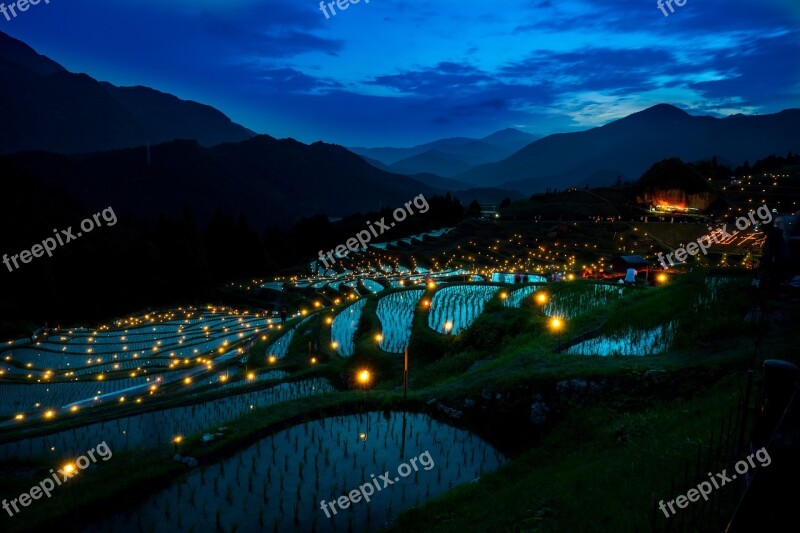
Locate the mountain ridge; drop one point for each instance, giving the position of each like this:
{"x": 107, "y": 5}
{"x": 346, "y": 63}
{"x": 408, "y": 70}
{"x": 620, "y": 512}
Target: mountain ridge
{"x": 628, "y": 146}
{"x": 60, "y": 111}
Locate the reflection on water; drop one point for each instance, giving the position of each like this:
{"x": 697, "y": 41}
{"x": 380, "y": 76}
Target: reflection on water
{"x": 157, "y": 428}
{"x": 631, "y": 342}
{"x": 279, "y": 483}
{"x": 343, "y": 330}
{"x": 571, "y": 303}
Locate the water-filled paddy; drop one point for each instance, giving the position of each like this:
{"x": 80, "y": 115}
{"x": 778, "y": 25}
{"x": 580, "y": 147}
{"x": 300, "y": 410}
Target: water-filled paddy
{"x": 631, "y": 342}
{"x": 278, "y": 483}
{"x": 157, "y": 428}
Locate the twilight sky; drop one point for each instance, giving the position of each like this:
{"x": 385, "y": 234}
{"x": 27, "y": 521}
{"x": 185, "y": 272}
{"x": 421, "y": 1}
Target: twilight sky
{"x": 399, "y": 72}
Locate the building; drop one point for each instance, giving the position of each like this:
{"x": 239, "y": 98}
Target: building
{"x": 622, "y": 263}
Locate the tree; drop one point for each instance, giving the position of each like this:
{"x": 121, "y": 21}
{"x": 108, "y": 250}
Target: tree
{"x": 475, "y": 208}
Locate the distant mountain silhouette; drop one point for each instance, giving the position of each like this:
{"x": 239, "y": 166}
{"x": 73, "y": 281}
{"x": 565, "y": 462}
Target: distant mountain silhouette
{"x": 448, "y": 157}
{"x": 271, "y": 181}
{"x": 510, "y": 139}
{"x": 629, "y": 146}
{"x": 432, "y": 161}
{"x": 55, "y": 110}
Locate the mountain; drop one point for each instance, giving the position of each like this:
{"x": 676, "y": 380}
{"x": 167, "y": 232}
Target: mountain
{"x": 511, "y": 139}
{"x": 58, "y": 111}
{"x": 432, "y": 161}
{"x": 448, "y": 156}
{"x": 629, "y": 146}
{"x": 271, "y": 181}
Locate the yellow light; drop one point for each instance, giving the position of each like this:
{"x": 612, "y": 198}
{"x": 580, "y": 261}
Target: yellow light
{"x": 178, "y": 439}
{"x": 313, "y": 360}
{"x": 661, "y": 278}
{"x": 19, "y": 417}
{"x": 74, "y": 408}
{"x": 187, "y": 381}
{"x": 69, "y": 468}
{"x": 503, "y": 295}
{"x": 541, "y": 298}
{"x": 364, "y": 376}
{"x": 556, "y": 323}
{"x": 272, "y": 359}
{"x": 329, "y": 320}
{"x": 49, "y": 414}
{"x": 379, "y": 337}
{"x": 251, "y": 376}
{"x": 448, "y": 326}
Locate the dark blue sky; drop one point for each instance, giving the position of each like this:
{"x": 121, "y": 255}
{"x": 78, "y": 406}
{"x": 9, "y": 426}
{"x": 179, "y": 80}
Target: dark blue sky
{"x": 399, "y": 72}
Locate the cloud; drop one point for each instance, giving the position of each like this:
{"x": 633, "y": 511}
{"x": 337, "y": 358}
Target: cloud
{"x": 289, "y": 80}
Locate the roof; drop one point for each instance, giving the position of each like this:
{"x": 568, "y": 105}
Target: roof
{"x": 634, "y": 260}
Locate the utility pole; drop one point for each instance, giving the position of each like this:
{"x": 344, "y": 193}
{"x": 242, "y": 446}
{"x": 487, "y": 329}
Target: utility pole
{"x": 405, "y": 372}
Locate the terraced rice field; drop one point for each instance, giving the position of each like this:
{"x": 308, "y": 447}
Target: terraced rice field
{"x": 157, "y": 428}
{"x": 456, "y": 307}
{"x": 278, "y": 483}
{"x": 396, "y": 313}
{"x": 344, "y": 328}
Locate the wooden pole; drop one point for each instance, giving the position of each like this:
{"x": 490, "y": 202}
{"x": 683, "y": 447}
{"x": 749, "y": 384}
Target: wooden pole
{"x": 405, "y": 372}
